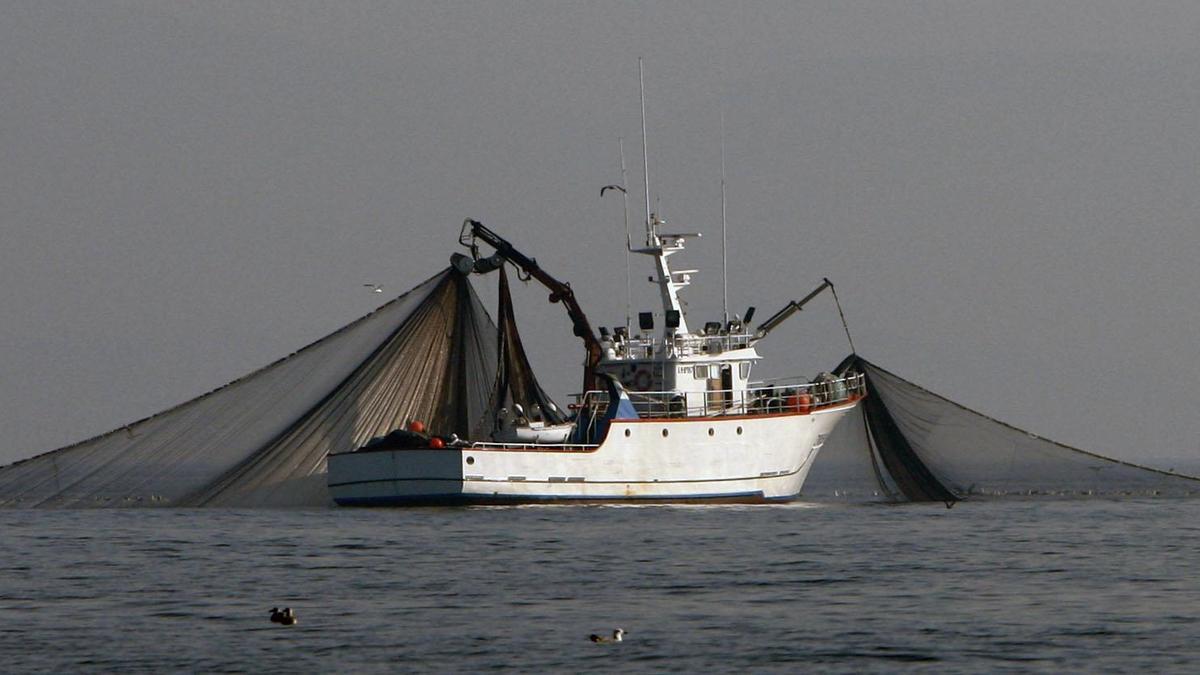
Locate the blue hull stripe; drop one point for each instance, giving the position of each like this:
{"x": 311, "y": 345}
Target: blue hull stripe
{"x": 459, "y": 479}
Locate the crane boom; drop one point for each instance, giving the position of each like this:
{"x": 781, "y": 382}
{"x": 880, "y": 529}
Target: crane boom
{"x": 788, "y": 310}
{"x": 559, "y": 291}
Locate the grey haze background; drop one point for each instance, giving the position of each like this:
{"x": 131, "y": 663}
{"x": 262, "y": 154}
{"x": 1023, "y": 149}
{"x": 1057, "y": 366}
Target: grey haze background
{"x": 1004, "y": 192}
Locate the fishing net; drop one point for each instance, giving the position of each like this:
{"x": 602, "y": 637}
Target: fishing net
{"x": 515, "y": 380}
{"x": 262, "y": 440}
{"x": 907, "y": 443}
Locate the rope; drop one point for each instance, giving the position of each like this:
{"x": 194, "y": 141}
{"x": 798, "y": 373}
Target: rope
{"x": 842, "y": 314}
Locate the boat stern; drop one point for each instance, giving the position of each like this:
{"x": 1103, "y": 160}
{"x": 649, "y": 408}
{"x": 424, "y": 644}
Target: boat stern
{"x": 396, "y": 477}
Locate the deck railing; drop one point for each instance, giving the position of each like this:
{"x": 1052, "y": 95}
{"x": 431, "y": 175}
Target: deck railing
{"x": 761, "y": 400}
{"x": 645, "y": 347}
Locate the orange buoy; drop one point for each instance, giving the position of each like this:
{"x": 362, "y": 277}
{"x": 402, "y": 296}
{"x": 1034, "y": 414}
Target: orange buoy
{"x": 436, "y": 443}
{"x": 804, "y": 403}
{"x": 416, "y": 426}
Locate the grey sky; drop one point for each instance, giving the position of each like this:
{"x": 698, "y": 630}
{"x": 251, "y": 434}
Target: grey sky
{"x": 1004, "y": 192}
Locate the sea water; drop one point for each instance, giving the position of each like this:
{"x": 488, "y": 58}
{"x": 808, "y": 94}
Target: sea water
{"x": 1087, "y": 585}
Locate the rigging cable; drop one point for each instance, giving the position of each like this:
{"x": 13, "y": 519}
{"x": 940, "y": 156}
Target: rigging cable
{"x": 842, "y": 314}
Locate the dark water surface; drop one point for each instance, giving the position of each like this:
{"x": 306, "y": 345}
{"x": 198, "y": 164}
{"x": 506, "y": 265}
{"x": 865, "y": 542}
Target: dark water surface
{"x": 988, "y": 586}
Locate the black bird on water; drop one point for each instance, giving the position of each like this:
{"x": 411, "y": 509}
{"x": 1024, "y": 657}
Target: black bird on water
{"x": 285, "y": 617}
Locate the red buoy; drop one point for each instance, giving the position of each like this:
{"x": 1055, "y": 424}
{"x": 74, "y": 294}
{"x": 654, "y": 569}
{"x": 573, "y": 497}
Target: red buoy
{"x": 416, "y": 426}
{"x": 436, "y": 443}
{"x": 804, "y": 403}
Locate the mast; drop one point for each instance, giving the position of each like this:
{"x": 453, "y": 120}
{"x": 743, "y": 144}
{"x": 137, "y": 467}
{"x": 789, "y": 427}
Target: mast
{"x": 645, "y": 154}
{"x": 628, "y": 241}
{"x": 669, "y": 282}
{"x": 724, "y": 252}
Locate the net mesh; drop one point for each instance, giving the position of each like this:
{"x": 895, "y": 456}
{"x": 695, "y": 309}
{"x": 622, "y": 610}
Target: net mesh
{"x": 515, "y": 380}
{"x": 907, "y": 443}
{"x": 262, "y": 440}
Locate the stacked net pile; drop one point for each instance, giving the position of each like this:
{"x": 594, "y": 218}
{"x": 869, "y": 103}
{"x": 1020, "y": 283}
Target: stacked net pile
{"x": 430, "y": 354}
{"x": 907, "y": 443}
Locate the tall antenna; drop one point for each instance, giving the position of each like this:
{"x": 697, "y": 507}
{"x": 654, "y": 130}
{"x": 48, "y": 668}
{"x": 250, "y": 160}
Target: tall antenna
{"x": 724, "y": 252}
{"x": 628, "y": 241}
{"x": 645, "y": 153}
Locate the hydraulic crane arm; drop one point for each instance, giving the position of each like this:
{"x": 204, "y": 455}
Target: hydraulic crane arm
{"x": 559, "y": 291}
{"x": 788, "y": 310}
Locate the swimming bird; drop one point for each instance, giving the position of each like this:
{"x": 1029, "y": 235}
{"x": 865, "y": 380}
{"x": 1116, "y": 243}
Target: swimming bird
{"x": 375, "y": 288}
{"x": 286, "y": 617}
{"x": 617, "y": 636}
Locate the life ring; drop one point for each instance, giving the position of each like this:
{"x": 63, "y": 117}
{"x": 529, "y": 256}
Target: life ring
{"x": 641, "y": 380}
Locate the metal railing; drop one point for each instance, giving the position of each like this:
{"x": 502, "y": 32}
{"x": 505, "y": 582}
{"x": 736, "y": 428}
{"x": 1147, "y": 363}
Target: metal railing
{"x": 644, "y": 347}
{"x": 764, "y": 400}
{"x": 560, "y": 447}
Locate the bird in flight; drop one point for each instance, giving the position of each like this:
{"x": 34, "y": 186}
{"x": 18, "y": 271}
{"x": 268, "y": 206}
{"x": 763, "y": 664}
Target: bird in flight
{"x": 375, "y": 288}
{"x": 606, "y": 188}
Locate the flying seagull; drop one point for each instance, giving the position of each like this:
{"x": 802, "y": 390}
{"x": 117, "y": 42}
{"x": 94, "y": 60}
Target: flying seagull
{"x": 374, "y": 287}
{"x": 617, "y": 636}
{"x": 606, "y": 188}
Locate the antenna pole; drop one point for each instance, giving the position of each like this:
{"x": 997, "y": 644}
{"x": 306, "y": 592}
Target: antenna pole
{"x": 724, "y": 251}
{"x": 628, "y": 241}
{"x": 645, "y": 153}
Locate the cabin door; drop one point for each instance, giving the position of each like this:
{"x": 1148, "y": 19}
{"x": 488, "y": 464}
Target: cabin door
{"x": 718, "y": 397}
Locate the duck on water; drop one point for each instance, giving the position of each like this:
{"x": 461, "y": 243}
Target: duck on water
{"x": 285, "y": 616}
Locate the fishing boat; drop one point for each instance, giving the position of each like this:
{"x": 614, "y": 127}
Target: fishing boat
{"x": 678, "y": 417}
{"x": 666, "y": 413}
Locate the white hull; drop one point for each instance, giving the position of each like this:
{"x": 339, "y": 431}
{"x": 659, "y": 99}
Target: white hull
{"x": 731, "y": 459}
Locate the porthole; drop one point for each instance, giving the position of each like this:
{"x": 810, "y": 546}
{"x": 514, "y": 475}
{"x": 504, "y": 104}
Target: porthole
{"x": 628, "y": 433}
{"x": 739, "y": 431}
{"x": 665, "y": 433}
{"x": 470, "y": 460}
{"x": 711, "y": 431}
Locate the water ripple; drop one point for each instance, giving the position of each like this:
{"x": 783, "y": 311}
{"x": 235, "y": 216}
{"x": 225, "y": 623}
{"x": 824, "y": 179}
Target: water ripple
{"x": 988, "y": 586}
